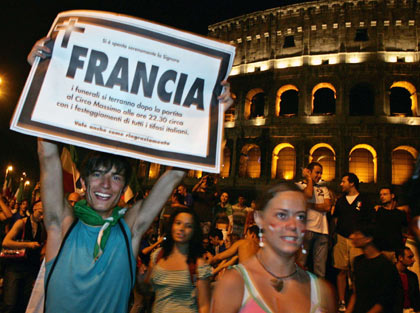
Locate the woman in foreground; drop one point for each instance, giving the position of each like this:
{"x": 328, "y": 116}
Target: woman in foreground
{"x": 271, "y": 281}
{"x": 179, "y": 275}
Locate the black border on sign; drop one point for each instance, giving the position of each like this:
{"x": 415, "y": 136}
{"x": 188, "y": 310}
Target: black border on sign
{"x": 25, "y": 121}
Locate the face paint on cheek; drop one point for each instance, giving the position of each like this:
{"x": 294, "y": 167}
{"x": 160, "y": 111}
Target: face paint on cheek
{"x": 274, "y": 227}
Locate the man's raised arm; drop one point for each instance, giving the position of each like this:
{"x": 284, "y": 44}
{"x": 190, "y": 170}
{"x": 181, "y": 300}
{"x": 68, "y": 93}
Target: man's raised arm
{"x": 51, "y": 186}
{"x": 5, "y": 210}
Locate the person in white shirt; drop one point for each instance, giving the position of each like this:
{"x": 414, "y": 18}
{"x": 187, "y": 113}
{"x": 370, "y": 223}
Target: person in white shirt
{"x": 318, "y": 205}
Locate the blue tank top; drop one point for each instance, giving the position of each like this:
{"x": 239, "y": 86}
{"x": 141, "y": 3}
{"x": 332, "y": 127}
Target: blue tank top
{"x": 79, "y": 284}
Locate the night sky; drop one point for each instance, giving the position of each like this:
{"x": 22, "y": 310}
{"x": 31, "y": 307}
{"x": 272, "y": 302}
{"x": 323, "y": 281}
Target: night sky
{"x": 24, "y": 22}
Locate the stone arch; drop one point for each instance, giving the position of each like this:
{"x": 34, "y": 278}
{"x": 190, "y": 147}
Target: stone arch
{"x": 411, "y": 107}
{"x": 225, "y": 170}
{"x": 403, "y": 162}
{"x": 324, "y": 154}
{"x": 323, "y": 99}
{"x": 361, "y": 100}
{"x": 254, "y": 103}
{"x": 283, "y": 163}
{"x": 250, "y": 161}
{"x": 364, "y": 163}
{"x": 287, "y": 100}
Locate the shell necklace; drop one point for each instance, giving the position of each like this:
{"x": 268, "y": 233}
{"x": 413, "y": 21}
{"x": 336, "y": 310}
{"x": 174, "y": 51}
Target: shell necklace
{"x": 278, "y": 282}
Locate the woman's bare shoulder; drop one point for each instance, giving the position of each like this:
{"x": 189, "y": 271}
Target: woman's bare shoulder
{"x": 231, "y": 284}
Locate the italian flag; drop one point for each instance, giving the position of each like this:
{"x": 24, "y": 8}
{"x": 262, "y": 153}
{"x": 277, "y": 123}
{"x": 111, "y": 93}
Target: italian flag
{"x": 70, "y": 172}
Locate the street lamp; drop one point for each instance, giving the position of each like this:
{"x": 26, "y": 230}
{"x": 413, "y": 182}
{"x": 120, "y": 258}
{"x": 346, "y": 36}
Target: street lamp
{"x": 8, "y": 169}
{"x": 27, "y": 183}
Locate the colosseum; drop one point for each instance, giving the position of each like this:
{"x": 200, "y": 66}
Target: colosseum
{"x": 330, "y": 81}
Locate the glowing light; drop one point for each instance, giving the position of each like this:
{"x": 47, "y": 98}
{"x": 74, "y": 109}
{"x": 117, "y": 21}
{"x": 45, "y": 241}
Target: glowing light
{"x": 360, "y": 165}
{"x": 333, "y": 60}
{"x": 281, "y": 64}
{"x": 288, "y": 176}
{"x": 235, "y": 71}
{"x": 27, "y": 183}
{"x": 265, "y": 66}
{"x": 354, "y": 59}
{"x": 229, "y": 124}
{"x": 316, "y": 61}
{"x": 258, "y": 121}
{"x": 409, "y": 59}
{"x": 297, "y": 62}
{"x": 392, "y": 58}
{"x": 250, "y": 69}
{"x": 287, "y": 165}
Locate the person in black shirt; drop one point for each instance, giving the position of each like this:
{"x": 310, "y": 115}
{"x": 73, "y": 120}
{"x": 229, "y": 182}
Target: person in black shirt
{"x": 390, "y": 223}
{"x": 377, "y": 286}
{"x": 409, "y": 280}
{"x": 20, "y": 274}
{"x": 351, "y": 210}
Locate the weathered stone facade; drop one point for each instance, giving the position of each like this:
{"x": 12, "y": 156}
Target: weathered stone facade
{"x": 338, "y": 45}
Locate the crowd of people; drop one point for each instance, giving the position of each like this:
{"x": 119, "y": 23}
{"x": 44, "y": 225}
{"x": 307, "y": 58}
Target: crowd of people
{"x": 271, "y": 256}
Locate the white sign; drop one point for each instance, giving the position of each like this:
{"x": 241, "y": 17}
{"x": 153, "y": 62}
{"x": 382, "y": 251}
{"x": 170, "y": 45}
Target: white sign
{"x": 131, "y": 87}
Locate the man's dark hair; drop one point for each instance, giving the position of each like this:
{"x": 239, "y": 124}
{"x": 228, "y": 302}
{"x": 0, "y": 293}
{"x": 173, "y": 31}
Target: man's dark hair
{"x": 369, "y": 230}
{"x": 352, "y": 179}
{"x": 94, "y": 160}
{"x": 31, "y": 208}
{"x": 401, "y": 252}
{"x": 311, "y": 165}
{"x": 215, "y": 232}
{"x": 254, "y": 229}
{"x": 391, "y": 190}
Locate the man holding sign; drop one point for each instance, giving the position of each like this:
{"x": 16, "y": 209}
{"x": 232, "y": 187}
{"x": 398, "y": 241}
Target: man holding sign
{"x": 90, "y": 249}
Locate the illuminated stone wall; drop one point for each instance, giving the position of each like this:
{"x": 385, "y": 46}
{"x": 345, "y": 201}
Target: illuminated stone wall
{"x": 334, "y": 81}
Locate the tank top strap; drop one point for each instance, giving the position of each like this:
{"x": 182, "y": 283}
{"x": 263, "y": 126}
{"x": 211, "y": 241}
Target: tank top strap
{"x": 315, "y": 293}
{"x": 250, "y": 292}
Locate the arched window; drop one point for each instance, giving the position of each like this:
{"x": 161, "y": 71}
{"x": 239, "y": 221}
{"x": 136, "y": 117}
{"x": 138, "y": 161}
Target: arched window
{"x": 224, "y": 172}
{"x": 250, "y": 161}
{"x": 324, "y": 154}
{"x": 403, "y": 160}
{"x": 323, "y": 99}
{"x": 257, "y": 105}
{"x": 403, "y": 99}
{"x": 287, "y": 101}
{"x": 254, "y": 103}
{"x": 361, "y": 100}
{"x": 283, "y": 164}
{"x": 363, "y": 163}
{"x": 154, "y": 170}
